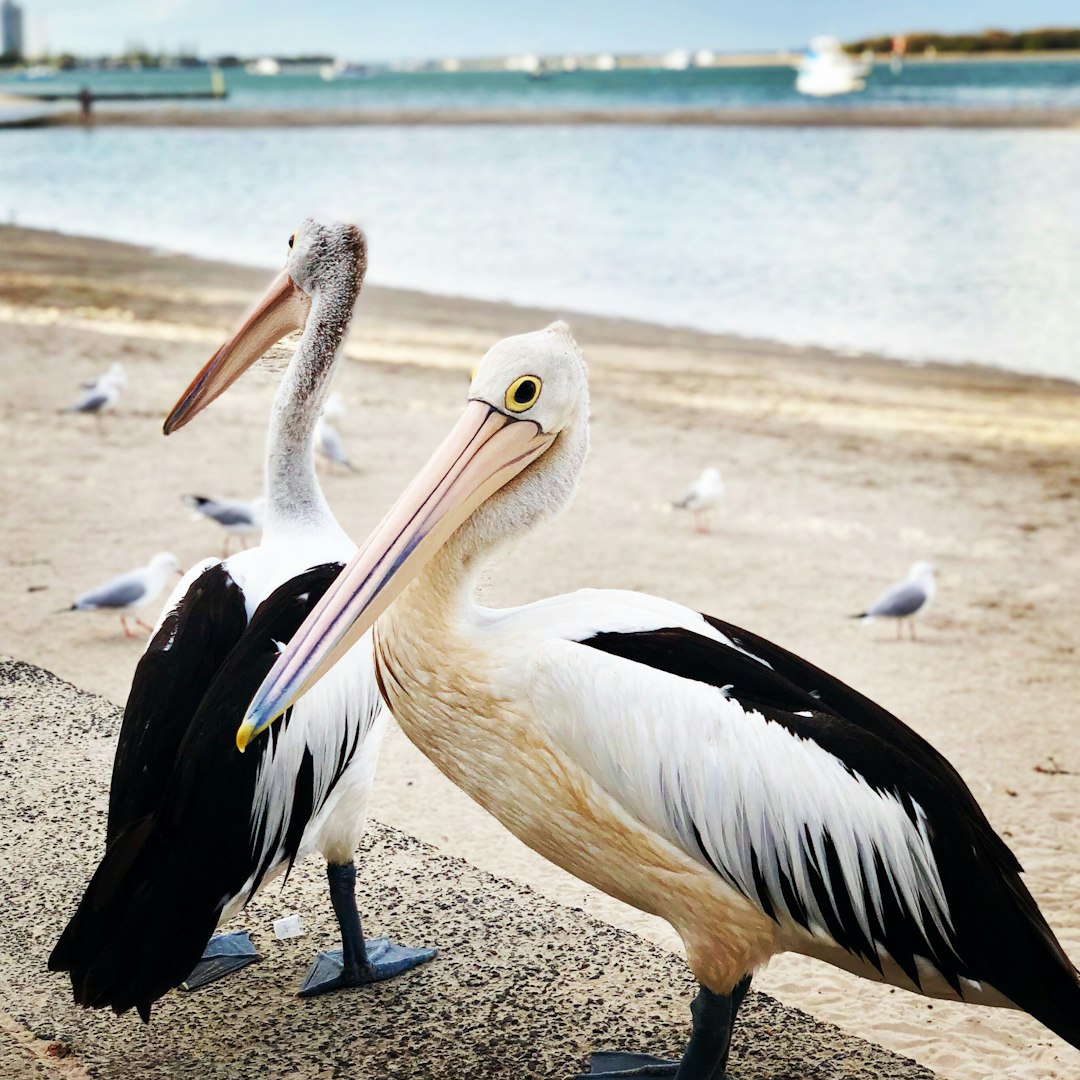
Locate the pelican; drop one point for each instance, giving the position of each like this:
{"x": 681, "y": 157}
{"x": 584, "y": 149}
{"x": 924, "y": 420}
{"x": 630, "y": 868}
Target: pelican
{"x": 235, "y": 516}
{"x": 130, "y": 592}
{"x": 192, "y": 836}
{"x": 904, "y": 599}
{"x": 702, "y": 496}
{"x": 678, "y": 763}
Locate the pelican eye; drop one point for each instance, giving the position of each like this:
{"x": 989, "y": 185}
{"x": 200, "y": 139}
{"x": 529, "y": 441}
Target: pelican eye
{"x": 292, "y": 239}
{"x": 522, "y": 393}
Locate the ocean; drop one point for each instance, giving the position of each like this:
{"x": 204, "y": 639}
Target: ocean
{"x": 921, "y": 244}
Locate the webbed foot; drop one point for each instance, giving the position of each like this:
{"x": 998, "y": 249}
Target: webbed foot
{"x": 384, "y": 961}
{"x": 617, "y": 1063}
{"x": 224, "y": 954}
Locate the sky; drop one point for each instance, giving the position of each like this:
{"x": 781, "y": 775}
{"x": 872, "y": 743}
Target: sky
{"x": 378, "y": 30}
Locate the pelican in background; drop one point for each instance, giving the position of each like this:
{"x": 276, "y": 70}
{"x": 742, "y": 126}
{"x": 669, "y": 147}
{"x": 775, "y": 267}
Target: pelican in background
{"x": 236, "y": 516}
{"x": 678, "y": 763}
{"x": 193, "y": 835}
{"x": 702, "y": 496}
{"x": 103, "y": 393}
{"x": 131, "y": 592}
{"x": 903, "y": 600}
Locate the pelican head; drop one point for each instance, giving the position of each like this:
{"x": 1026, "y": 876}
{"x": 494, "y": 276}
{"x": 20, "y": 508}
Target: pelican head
{"x": 325, "y": 266}
{"x": 514, "y": 456}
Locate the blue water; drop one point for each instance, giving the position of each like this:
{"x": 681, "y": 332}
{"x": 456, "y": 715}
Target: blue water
{"x": 922, "y": 244}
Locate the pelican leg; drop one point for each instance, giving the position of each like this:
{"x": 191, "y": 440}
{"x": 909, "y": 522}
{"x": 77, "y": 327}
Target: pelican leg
{"x": 706, "y": 1055}
{"x": 224, "y": 954}
{"x": 357, "y": 962}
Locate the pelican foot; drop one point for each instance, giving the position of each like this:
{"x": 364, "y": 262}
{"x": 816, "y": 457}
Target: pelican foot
{"x": 616, "y": 1063}
{"x": 384, "y": 961}
{"x": 224, "y": 954}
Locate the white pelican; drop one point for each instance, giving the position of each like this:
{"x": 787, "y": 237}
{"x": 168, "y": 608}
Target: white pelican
{"x": 903, "y": 600}
{"x": 236, "y": 516}
{"x": 103, "y": 393}
{"x": 702, "y": 496}
{"x": 189, "y": 841}
{"x": 678, "y": 763}
{"x": 131, "y": 592}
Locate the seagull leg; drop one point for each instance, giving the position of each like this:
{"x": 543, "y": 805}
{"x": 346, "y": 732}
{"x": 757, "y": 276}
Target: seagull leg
{"x": 127, "y": 629}
{"x": 224, "y": 954}
{"x": 357, "y": 962}
{"x": 706, "y": 1054}
{"x": 146, "y": 626}
{"x": 911, "y": 627}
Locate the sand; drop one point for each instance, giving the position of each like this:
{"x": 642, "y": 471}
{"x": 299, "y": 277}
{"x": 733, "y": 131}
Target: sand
{"x": 841, "y": 471}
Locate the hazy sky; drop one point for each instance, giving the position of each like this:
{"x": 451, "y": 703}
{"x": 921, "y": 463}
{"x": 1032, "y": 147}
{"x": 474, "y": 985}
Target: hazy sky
{"x": 377, "y": 29}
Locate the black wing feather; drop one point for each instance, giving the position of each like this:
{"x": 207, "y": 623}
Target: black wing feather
{"x": 159, "y": 891}
{"x": 999, "y": 936}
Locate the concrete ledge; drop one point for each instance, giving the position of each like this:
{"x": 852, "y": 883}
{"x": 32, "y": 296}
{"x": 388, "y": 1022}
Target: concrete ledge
{"x": 523, "y": 987}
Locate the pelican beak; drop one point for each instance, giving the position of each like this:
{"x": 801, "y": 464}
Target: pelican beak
{"x": 282, "y": 310}
{"x": 485, "y": 450}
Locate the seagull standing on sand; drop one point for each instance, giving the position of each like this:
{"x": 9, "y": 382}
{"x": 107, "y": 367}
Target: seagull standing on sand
{"x": 235, "y": 516}
{"x": 675, "y": 761}
{"x": 193, "y": 835}
{"x": 103, "y": 393}
{"x": 702, "y": 496}
{"x": 904, "y": 599}
{"x": 132, "y": 591}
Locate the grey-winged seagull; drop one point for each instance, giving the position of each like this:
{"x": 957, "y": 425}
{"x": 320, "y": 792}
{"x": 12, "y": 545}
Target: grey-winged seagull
{"x": 701, "y": 497}
{"x": 238, "y": 517}
{"x": 131, "y": 591}
{"x": 904, "y": 599}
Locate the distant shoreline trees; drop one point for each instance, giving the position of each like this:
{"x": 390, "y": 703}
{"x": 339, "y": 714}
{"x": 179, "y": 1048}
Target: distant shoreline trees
{"x": 1048, "y": 39}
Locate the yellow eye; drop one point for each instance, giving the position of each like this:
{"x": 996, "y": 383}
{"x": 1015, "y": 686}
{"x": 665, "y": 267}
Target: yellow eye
{"x": 522, "y": 393}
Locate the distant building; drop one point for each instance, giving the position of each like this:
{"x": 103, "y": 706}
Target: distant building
{"x": 11, "y": 30}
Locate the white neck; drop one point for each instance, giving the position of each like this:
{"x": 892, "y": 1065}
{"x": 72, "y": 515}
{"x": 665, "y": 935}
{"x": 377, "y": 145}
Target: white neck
{"x": 294, "y": 500}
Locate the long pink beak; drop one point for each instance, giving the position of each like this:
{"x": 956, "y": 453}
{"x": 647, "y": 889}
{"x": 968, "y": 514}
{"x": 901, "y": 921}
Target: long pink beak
{"x": 282, "y": 310}
{"x": 484, "y": 451}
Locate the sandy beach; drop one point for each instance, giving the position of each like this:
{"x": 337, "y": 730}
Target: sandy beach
{"x": 841, "y": 471}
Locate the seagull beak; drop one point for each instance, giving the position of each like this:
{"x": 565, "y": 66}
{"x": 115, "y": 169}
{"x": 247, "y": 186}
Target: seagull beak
{"x": 484, "y": 451}
{"x": 282, "y": 310}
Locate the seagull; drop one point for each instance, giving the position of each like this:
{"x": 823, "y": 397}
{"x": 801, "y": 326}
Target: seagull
{"x": 103, "y": 393}
{"x": 328, "y": 441}
{"x": 702, "y": 496}
{"x": 679, "y": 763}
{"x": 192, "y": 837}
{"x": 235, "y": 516}
{"x": 905, "y": 599}
{"x": 131, "y": 591}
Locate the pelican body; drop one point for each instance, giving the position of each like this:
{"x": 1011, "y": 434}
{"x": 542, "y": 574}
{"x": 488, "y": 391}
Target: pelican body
{"x": 193, "y": 834}
{"x": 679, "y": 763}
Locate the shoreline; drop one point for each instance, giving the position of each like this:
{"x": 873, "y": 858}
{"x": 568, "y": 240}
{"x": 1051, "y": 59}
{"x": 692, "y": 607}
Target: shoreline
{"x": 840, "y": 472}
{"x": 617, "y": 329}
{"x": 810, "y": 117}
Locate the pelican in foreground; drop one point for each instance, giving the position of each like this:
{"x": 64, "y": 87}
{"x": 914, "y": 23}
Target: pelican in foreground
{"x": 236, "y": 516}
{"x": 702, "y": 497}
{"x": 131, "y": 592}
{"x": 904, "y": 600}
{"x": 672, "y": 760}
{"x": 192, "y": 834}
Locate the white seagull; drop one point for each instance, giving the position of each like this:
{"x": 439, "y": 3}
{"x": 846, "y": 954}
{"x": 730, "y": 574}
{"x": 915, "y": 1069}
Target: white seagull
{"x": 103, "y": 393}
{"x": 327, "y": 438}
{"x": 193, "y": 835}
{"x": 903, "y": 600}
{"x": 236, "y": 516}
{"x": 130, "y": 592}
{"x": 672, "y": 760}
{"x": 702, "y": 496}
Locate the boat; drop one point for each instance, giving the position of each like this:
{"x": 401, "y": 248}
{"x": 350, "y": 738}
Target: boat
{"x": 827, "y": 71}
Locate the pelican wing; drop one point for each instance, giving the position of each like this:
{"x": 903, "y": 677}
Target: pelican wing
{"x": 818, "y": 806}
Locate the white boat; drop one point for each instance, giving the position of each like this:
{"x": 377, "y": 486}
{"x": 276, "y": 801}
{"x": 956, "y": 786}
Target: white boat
{"x": 826, "y": 70}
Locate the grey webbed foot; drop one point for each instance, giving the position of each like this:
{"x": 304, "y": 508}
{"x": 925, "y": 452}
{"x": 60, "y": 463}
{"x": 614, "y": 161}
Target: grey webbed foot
{"x": 224, "y": 954}
{"x": 616, "y": 1063}
{"x": 384, "y": 961}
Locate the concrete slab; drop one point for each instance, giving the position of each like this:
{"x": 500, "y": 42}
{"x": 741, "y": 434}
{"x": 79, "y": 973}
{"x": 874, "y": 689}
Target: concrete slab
{"x": 523, "y": 987}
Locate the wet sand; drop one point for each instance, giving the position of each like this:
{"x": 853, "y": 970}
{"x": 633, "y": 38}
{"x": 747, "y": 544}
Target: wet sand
{"x": 841, "y": 471}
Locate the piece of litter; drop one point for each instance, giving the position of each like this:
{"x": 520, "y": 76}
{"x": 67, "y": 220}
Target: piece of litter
{"x": 289, "y": 927}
